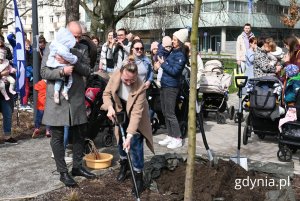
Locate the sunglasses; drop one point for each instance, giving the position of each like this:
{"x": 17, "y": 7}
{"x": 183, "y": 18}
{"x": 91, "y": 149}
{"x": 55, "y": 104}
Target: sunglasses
{"x": 138, "y": 48}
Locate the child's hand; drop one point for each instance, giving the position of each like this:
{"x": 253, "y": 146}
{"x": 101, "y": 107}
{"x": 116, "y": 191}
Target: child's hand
{"x": 13, "y": 70}
{"x": 156, "y": 66}
{"x": 60, "y": 59}
{"x": 5, "y": 72}
{"x": 160, "y": 59}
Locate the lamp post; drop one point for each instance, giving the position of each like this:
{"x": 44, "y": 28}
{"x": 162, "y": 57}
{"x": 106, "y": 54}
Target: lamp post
{"x": 35, "y": 53}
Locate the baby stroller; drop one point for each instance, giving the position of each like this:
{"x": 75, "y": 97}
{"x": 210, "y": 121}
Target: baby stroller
{"x": 214, "y": 85}
{"x": 98, "y": 123}
{"x": 264, "y": 114}
{"x": 181, "y": 109}
{"x": 289, "y": 138}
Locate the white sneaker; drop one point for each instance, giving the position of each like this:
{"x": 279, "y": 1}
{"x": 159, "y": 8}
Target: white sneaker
{"x": 166, "y": 141}
{"x": 175, "y": 143}
{"x": 68, "y": 159}
{"x": 52, "y": 155}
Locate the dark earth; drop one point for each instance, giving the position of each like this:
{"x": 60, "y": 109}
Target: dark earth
{"x": 210, "y": 183}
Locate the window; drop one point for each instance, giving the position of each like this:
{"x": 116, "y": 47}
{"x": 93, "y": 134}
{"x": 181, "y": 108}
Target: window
{"x": 137, "y": 12}
{"x": 51, "y": 35}
{"x": 187, "y": 8}
{"x": 150, "y": 11}
{"x": 177, "y": 9}
{"x": 41, "y": 4}
{"x": 206, "y": 7}
{"x": 41, "y": 20}
{"x": 41, "y": 33}
{"x": 51, "y": 18}
{"x": 24, "y": 19}
{"x": 131, "y": 14}
{"x": 58, "y": 16}
{"x": 143, "y": 12}
{"x": 215, "y": 6}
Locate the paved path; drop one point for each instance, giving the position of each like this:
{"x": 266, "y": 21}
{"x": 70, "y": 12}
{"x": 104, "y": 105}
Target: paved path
{"x": 27, "y": 169}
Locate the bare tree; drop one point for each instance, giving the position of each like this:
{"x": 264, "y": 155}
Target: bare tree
{"x": 189, "y": 178}
{"x": 103, "y": 15}
{"x": 23, "y": 10}
{"x": 72, "y": 10}
{"x": 293, "y": 17}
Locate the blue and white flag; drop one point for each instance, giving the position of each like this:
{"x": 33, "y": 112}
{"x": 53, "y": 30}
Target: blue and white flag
{"x": 20, "y": 53}
{"x": 250, "y": 4}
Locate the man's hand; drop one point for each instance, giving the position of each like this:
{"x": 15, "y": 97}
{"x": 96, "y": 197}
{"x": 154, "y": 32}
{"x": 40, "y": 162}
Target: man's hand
{"x": 126, "y": 144}
{"x": 278, "y": 69}
{"x": 286, "y": 57}
{"x": 68, "y": 70}
{"x": 61, "y": 60}
{"x": 111, "y": 113}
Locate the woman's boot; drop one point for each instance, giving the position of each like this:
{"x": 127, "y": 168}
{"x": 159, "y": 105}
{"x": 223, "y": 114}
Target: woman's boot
{"x": 123, "y": 170}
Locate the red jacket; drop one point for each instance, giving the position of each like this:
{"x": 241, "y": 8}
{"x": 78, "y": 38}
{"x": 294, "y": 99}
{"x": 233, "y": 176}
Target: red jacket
{"x": 40, "y": 87}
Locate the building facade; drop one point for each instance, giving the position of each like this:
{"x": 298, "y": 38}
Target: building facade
{"x": 220, "y": 22}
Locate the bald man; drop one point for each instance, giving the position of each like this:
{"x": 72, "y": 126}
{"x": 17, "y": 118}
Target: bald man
{"x": 69, "y": 112}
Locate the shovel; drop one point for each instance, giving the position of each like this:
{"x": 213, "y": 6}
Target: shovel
{"x": 121, "y": 117}
{"x": 240, "y": 82}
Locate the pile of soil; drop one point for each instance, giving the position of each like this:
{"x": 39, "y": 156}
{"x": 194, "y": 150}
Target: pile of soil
{"x": 210, "y": 183}
{"x": 26, "y": 125}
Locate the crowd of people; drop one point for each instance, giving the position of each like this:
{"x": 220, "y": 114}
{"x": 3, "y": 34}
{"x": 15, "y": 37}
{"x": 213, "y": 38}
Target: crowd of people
{"x": 73, "y": 55}
{"x": 66, "y": 64}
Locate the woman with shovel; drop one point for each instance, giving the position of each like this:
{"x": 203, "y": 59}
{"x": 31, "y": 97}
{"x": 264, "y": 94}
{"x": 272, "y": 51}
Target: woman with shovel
{"x": 125, "y": 92}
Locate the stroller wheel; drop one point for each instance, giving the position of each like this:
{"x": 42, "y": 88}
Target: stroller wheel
{"x": 261, "y": 136}
{"x": 231, "y": 112}
{"x": 107, "y": 140}
{"x": 284, "y": 154}
{"x": 183, "y": 129}
{"x": 154, "y": 125}
{"x": 205, "y": 114}
{"x": 247, "y": 131}
{"x": 220, "y": 118}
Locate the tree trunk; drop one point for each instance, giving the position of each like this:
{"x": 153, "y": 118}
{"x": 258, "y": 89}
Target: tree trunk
{"x": 2, "y": 9}
{"x": 189, "y": 178}
{"x": 72, "y": 10}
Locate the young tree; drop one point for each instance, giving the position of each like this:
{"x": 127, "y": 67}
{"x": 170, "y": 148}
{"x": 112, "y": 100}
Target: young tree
{"x": 189, "y": 178}
{"x": 103, "y": 15}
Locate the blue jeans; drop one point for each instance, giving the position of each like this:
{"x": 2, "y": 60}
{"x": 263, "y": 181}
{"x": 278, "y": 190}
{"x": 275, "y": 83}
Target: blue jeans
{"x": 7, "y": 116}
{"x": 38, "y": 119}
{"x": 66, "y": 136}
{"x": 136, "y": 151}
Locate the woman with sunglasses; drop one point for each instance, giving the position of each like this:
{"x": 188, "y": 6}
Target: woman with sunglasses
{"x": 125, "y": 91}
{"x": 172, "y": 67}
{"x": 143, "y": 63}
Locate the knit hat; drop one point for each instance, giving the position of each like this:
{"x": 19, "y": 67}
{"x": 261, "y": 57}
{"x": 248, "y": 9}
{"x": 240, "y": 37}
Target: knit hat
{"x": 182, "y": 35}
{"x": 166, "y": 41}
{"x": 291, "y": 70}
{"x": 2, "y": 54}
{"x": 154, "y": 45}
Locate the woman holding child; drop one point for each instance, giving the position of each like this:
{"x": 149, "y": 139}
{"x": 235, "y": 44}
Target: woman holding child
{"x": 172, "y": 67}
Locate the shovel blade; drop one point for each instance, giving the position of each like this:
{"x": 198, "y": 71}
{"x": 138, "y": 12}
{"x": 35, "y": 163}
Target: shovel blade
{"x": 242, "y": 162}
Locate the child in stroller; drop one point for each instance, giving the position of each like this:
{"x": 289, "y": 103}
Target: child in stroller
{"x": 214, "y": 85}
{"x": 289, "y": 126}
{"x": 263, "y": 100}
{"x": 97, "y": 119}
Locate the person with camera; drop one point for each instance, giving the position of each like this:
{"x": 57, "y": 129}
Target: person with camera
{"x": 122, "y": 48}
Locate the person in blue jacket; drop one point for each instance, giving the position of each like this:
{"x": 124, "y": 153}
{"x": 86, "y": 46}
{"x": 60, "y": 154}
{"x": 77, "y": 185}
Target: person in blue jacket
{"x": 170, "y": 84}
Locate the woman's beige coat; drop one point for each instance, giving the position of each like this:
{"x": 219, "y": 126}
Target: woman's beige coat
{"x": 137, "y": 107}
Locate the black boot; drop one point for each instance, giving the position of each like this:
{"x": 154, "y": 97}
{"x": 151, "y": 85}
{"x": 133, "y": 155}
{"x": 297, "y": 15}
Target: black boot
{"x": 67, "y": 179}
{"x": 83, "y": 173}
{"x": 123, "y": 170}
{"x": 139, "y": 183}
